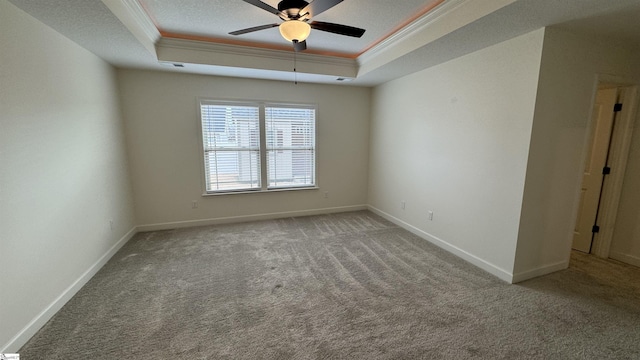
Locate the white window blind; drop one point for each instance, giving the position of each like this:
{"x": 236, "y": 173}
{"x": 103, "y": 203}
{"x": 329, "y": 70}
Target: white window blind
{"x": 239, "y": 157}
{"x": 290, "y": 148}
{"x": 231, "y": 144}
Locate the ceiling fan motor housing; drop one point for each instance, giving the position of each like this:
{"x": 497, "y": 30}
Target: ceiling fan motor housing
{"x": 292, "y": 8}
{"x": 297, "y": 24}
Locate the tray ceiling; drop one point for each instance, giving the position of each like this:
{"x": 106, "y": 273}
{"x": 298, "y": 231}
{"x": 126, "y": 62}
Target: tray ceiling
{"x": 401, "y": 36}
{"x": 213, "y": 20}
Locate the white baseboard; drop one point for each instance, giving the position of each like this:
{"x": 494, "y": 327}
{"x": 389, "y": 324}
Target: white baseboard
{"x": 245, "y": 218}
{"x": 25, "y": 334}
{"x": 41, "y": 319}
{"x": 543, "y": 270}
{"x": 470, "y": 258}
{"x": 625, "y": 258}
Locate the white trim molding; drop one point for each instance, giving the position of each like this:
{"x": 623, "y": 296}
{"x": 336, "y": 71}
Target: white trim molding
{"x": 625, "y": 258}
{"x": 45, "y": 315}
{"x": 135, "y": 18}
{"x": 539, "y": 271}
{"x": 246, "y": 218}
{"x": 435, "y": 24}
{"x": 209, "y": 53}
{"x": 618, "y": 156}
{"x": 464, "y": 255}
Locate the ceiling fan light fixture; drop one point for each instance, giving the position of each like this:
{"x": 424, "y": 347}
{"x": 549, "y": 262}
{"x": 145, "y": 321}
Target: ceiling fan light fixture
{"x": 295, "y": 30}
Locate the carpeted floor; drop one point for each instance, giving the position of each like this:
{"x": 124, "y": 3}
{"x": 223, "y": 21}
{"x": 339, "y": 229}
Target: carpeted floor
{"x": 342, "y": 286}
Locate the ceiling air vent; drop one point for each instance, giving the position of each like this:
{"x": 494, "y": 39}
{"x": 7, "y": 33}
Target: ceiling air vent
{"x": 171, "y": 64}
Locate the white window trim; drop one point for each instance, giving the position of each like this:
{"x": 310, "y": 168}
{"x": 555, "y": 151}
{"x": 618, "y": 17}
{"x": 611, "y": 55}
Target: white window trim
{"x": 260, "y": 191}
{"x": 263, "y": 146}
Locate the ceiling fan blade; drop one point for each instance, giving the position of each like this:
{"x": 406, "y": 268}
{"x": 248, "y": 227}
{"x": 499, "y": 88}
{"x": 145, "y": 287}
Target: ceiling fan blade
{"x": 319, "y": 6}
{"x": 337, "y": 28}
{"x": 300, "y": 45}
{"x": 263, "y": 6}
{"x": 252, "y": 29}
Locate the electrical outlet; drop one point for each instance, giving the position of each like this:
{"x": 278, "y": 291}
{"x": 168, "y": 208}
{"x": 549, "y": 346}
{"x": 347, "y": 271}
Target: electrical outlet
{"x": 430, "y": 215}
{"x": 403, "y": 205}
{"x": 326, "y": 194}
{"x": 194, "y": 204}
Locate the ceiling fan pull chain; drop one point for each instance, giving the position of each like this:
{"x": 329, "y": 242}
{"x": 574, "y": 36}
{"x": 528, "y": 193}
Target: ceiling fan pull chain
{"x": 295, "y": 73}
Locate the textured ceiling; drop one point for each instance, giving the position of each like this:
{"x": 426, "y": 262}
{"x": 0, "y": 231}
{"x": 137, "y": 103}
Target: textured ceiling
{"x": 621, "y": 26}
{"x": 215, "y": 19}
{"x": 611, "y": 21}
{"x": 91, "y": 24}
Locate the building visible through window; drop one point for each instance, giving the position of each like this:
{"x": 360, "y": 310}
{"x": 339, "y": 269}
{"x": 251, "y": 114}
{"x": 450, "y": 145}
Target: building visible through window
{"x": 235, "y": 158}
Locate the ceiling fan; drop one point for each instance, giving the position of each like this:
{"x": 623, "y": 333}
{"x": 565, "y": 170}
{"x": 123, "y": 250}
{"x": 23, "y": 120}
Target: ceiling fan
{"x": 297, "y": 23}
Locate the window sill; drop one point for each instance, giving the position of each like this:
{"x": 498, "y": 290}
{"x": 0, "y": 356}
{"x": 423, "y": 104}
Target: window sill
{"x": 261, "y": 191}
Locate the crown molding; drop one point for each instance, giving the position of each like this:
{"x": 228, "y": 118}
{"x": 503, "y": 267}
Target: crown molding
{"x": 444, "y": 19}
{"x": 412, "y": 29}
{"x": 135, "y": 18}
{"x": 143, "y": 19}
{"x": 208, "y": 53}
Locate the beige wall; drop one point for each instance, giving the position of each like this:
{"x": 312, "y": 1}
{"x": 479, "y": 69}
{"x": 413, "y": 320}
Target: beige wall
{"x": 161, "y": 116}
{"x": 491, "y": 142}
{"x": 454, "y": 139}
{"x": 570, "y": 66}
{"x": 63, "y": 172}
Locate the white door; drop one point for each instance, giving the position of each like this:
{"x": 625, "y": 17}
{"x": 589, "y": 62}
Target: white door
{"x": 596, "y": 160}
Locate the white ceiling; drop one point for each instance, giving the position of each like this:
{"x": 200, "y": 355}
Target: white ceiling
{"x": 378, "y": 17}
{"x": 136, "y": 33}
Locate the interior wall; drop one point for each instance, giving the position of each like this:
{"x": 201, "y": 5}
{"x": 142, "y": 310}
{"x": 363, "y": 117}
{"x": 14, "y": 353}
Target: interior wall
{"x": 454, "y": 139}
{"x": 63, "y": 174}
{"x": 568, "y": 75}
{"x": 161, "y": 113}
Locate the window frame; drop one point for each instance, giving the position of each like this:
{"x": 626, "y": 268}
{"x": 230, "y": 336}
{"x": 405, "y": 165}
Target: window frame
{"x": 262, "y": 145}
{"x": 276, "y": 151}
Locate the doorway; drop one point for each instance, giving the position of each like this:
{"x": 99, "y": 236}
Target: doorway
{"x": 605, "y": 162}
{"x": 602, "y": 122}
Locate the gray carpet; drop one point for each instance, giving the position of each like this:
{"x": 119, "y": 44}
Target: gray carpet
{"x": 342, "y": 286}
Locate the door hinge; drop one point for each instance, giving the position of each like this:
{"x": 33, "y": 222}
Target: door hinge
{"x": 617, "y": 107}
{"x": 606, "y": 170}
{"x": 595, "y": 229}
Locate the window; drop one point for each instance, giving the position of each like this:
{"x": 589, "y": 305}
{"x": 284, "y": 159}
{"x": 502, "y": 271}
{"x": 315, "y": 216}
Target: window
{"x": 231, "y": 138}
{"x": 290, "y": 146}
{"x": 254, "y": 146}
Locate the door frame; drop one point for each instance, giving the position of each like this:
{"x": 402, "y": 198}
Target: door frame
{"x": 617, "y": 160}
